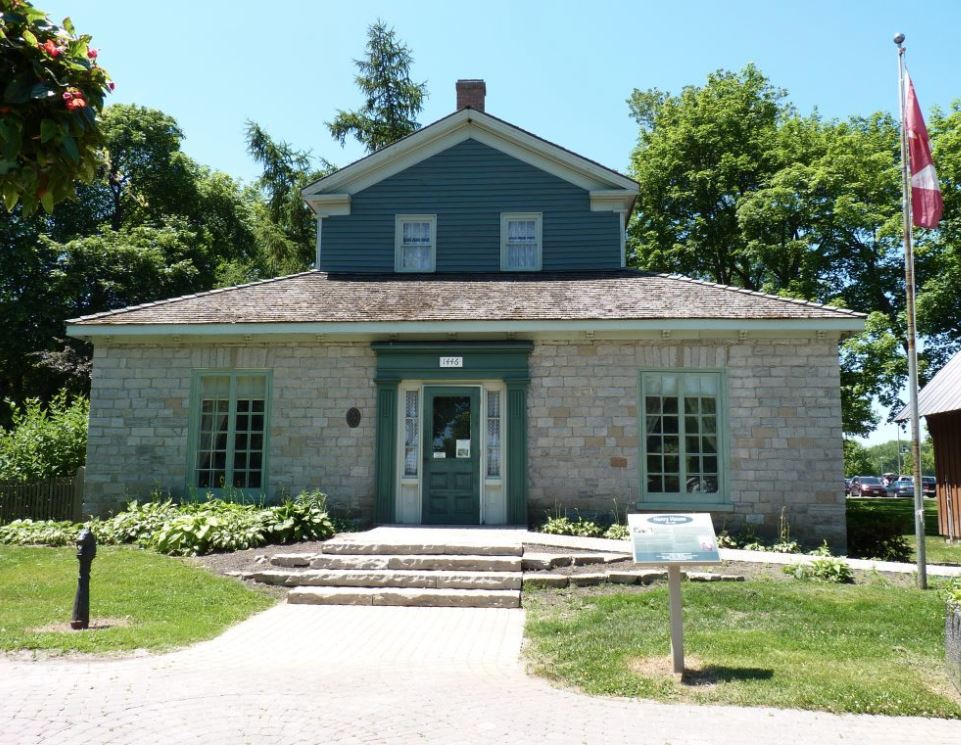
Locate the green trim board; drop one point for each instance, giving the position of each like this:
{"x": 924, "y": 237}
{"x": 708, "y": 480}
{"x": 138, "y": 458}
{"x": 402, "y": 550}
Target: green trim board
{"x": 682, "y": 499}
{"x": 194, "y": 425}
{"x": 475, "y": 361}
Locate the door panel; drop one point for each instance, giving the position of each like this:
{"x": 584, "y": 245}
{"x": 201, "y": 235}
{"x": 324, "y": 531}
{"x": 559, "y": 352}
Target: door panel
{"x": 451, "y": 456}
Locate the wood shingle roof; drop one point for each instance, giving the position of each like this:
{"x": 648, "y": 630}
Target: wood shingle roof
{"x": 318, "y": 297}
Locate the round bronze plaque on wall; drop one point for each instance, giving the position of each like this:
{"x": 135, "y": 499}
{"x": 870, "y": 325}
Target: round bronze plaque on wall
{"x": 353, "y": 417}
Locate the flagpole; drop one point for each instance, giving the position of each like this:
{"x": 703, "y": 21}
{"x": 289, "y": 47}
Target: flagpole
{"x": 920, "y": 551}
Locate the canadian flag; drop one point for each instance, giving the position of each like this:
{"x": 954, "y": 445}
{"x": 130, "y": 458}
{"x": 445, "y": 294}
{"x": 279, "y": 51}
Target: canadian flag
{"x": 926, "y": 202}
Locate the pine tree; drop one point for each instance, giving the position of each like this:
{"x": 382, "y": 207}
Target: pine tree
{"x": 393, "y": 100}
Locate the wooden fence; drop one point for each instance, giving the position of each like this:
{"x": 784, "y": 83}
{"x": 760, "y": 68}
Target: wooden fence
{"x": 51, "y": 499}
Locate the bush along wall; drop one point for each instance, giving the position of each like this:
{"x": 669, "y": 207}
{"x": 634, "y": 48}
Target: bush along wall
{"x": 189, "y": 529}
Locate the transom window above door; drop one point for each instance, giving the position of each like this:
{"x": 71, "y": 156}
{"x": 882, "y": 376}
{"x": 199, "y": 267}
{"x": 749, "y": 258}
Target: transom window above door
{"x": 521, "y": 241}
{"x": 415, "y": 243}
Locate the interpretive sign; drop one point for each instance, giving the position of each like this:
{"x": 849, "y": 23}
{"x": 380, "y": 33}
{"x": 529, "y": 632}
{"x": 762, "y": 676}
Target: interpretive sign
{"x": 673, "y": 538}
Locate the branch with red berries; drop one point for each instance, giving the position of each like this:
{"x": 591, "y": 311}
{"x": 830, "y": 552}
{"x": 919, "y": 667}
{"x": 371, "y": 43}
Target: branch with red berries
{"x": 52, "y": 90}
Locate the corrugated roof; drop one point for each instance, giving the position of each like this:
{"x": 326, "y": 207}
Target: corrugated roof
{"x": 941, "y": 394}
{"x": 319, "y": 297}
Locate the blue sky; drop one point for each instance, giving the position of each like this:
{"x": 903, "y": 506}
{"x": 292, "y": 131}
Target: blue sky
{"x": 561, "y": 69}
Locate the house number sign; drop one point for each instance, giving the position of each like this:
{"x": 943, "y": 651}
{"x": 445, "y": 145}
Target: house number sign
{"x": 451, "y": 361}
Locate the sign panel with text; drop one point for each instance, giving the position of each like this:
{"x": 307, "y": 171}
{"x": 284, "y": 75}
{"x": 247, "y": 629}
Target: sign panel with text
{"x": 673, "y": 538}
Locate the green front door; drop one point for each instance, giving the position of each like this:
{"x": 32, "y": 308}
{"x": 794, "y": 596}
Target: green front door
{"x": 451, "y": 456}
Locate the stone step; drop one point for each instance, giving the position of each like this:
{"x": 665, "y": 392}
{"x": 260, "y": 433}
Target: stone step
{"x": 423, "y": 597}
{"x": 464, "y": 562}
{"x": 444, "y": 549}
{"x": 452, "y": 580}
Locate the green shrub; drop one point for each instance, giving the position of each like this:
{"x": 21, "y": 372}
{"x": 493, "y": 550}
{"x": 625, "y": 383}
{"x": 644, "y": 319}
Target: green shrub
{"x": 221, "y": 527}
{"x": 192, "y": 528}
{"x": 826, "y": 570}
{"x": 302, "y": 519}
{"x": 823, "y": 550}
{"x": 136, "y": 523}
{"x": 44, "y": 442}
{"x": 874, "y": 534}
{"x": 566, "y": 526}
{"x": 618, "y": 532}
{"x": 39, "y": 533}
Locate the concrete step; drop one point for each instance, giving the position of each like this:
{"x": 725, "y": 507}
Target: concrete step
{"x": 349, "y": 547}
{"x": 453, "y": 580}
{"x": 463, "y": 562}
{"x": 405, "y": 596}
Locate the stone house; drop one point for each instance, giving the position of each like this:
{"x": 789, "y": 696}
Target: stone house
{"x": 471, "y": 349}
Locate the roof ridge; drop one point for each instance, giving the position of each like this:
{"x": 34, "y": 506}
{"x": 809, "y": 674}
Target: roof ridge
{"x": 756, "y": 293}
{"x": 167, "y": 301}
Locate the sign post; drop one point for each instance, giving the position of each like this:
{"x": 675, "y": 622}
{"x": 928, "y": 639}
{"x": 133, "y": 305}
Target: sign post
{"x": 673, "y": 540}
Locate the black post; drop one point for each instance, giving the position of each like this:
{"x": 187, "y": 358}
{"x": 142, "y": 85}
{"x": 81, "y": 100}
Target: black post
{"x": 86, "y": 551}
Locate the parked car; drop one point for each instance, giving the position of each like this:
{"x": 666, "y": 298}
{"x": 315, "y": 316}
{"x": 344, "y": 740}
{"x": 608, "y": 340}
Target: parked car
{"x": 929, "y": 486}
{"x": 904, "y": 487}
{"x": 867, "y": 486}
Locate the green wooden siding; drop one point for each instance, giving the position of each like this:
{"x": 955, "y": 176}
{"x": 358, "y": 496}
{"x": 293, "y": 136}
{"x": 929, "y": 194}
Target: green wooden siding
{"x": 397, "y": 361}
{"x": 468, "y": 186}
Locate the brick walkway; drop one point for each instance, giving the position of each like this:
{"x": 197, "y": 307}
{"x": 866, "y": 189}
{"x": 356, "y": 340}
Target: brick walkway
{"x": 335, "y": 674}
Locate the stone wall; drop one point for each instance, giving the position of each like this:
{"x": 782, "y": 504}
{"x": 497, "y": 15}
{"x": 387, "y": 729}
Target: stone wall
{"x": 140, "y": 398}
{"x": 783, "y": 438}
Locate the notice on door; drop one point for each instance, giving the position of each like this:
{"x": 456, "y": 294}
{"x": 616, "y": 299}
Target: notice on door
{"x": 463, "y": 449}
{"x": 673, "y": 538}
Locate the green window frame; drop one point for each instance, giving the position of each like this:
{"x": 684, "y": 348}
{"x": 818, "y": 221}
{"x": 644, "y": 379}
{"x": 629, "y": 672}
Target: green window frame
{"x": 229, "y": 434}
{"x": 682, "y": 421}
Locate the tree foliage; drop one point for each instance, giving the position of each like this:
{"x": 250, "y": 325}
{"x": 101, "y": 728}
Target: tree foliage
{"x": 392, "y": 100}
{"x": 285, "y": 227}
{"x": 44, "y": 441}
{"x": 52, "y": 93}
{"x": 738, "y": 188}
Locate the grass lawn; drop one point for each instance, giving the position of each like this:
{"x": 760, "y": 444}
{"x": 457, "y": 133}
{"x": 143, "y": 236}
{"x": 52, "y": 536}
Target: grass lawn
{"x": 938, "y": 550}
{"x": 150, "y": 601}
{"x": 867, "y": 648}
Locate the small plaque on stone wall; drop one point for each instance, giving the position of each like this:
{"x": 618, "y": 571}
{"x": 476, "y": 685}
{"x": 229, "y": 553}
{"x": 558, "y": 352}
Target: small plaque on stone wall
{"x": 353, "y": 417}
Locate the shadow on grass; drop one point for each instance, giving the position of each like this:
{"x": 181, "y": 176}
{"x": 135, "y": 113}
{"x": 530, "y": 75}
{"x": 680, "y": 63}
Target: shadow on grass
{"x": 714, "y": 674}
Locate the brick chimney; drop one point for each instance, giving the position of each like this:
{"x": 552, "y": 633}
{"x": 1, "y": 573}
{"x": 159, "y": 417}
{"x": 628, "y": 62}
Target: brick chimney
{"x": 470, "y": 94}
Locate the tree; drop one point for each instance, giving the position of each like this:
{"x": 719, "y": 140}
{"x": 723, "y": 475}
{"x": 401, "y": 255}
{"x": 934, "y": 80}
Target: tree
{"x": 152, "y": 224}
{"x": 392, "y": 99}
{"x": 737, "y": 188}
{"x": 286, "y": 228}
{"x": 857, "y": 459}
{"x": 53, "y": 91}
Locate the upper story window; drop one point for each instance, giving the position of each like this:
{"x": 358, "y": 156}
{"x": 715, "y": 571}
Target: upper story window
{"x": 521, "y": 242}
{"x": 415, "y": 243}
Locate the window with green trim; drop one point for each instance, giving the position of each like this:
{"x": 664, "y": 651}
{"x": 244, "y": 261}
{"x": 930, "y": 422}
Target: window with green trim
{"x": 230, "y": 431}
{"x": 682, "y": 458}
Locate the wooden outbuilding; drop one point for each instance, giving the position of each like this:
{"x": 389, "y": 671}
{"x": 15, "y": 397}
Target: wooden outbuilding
{"x": 939, "y": 402}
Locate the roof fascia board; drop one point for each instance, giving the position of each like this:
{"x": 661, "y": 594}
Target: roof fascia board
{"x": 608, "y": 200}
{"x": 469, "y": 124}
{"x": 329, "y": 205}
{"x": 450, "y": 327}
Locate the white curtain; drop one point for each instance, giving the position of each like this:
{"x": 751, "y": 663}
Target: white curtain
{"x": 522, "y": 244}
{"x": 416, "y": 246}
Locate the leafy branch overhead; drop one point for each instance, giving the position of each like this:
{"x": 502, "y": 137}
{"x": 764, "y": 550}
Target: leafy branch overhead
{"x": 53, "y": 90}
{"x": 392, "y": 99}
